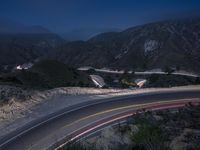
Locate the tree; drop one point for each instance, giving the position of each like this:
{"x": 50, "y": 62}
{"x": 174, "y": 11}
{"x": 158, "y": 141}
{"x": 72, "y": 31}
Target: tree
{"x": 153, "y": 78}
{"x": 91, "y": 71}
{"x": 197, "y": 81}
{"x": 150, "y": 135}
{"x": 178, "y": 68}
{"x": 77, "y": 146}
{"x": 168, "y": 70}
{"x": 73, "y": 146}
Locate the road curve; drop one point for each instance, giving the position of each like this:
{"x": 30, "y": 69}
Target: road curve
{"x": 50, "y": 129}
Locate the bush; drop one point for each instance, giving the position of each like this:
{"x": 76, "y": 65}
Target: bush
{"x": 91, "y": 71}
{"x": 150, "y": 134}
{"x": 168, "y": 70}
{"x": 77, "y": 146}
{"x": 73, "y": 146}
{"x": 150, "y": 137}
{"x": 197, "y": 81}
{"x": 169, "y": 80}
{"x": 51, "y": 74}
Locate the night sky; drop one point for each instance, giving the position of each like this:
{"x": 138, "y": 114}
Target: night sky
{"x": 66, "y": 15}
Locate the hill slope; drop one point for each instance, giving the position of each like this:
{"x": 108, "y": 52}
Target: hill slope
{"x": 47, "y": 74}
{"x": 174, "y": 43}
{"x": 16, "y": 49}
{"x": 22, "y": 44}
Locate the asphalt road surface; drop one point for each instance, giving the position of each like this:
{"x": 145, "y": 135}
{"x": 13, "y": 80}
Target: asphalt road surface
{"x": 46, "y": 131}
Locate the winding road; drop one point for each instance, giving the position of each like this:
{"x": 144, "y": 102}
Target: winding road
{"x": 82, "y": 119}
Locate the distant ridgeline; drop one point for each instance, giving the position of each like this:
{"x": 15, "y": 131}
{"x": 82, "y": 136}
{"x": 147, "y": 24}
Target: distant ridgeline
{"x": 172, "y": 44}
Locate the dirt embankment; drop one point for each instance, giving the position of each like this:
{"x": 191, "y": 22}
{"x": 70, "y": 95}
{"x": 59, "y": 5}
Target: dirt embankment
{"x": 15, "y": 101}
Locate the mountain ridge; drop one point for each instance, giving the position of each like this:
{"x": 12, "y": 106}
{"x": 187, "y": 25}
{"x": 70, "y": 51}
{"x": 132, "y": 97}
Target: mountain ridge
{"x": 8, "y": 26}
{"x": 173, "y": 43}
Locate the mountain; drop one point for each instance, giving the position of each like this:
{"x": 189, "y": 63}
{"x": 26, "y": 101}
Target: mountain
{"x": 85, "y": 33}
{"x": 8, "y": 26}
{"x": 22, "y": 44}
{"x": 172, "y": 43}
{"x": 17, "y": 49}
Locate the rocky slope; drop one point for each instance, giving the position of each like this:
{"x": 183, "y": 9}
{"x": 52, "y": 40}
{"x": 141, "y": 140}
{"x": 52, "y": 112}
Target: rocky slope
{"x": 174, "y": 43}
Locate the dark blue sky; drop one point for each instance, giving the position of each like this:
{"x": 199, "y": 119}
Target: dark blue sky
{"x": 65, "y": 15}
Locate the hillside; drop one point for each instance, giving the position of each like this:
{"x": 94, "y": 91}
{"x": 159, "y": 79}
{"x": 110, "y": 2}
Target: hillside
{"x": 21, "y": 44}
{"x": 47, "y": 74}
{"x": 16, "y": 49}
{"x": 174, "y": 43}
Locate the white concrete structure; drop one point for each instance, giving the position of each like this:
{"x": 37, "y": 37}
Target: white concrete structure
{"x": 24, "y": 66}
{"x": 98, "y": 81}
{"x": 140, "y": 82}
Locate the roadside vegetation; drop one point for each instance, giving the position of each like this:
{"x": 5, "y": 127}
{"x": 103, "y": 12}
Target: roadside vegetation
{"x": 47, "y": 74}
{"x": 170, "y": 80}
{"x": 74, "y": 146}
{"x": 129, "y": 80}
{"x": 177, "y": 129}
